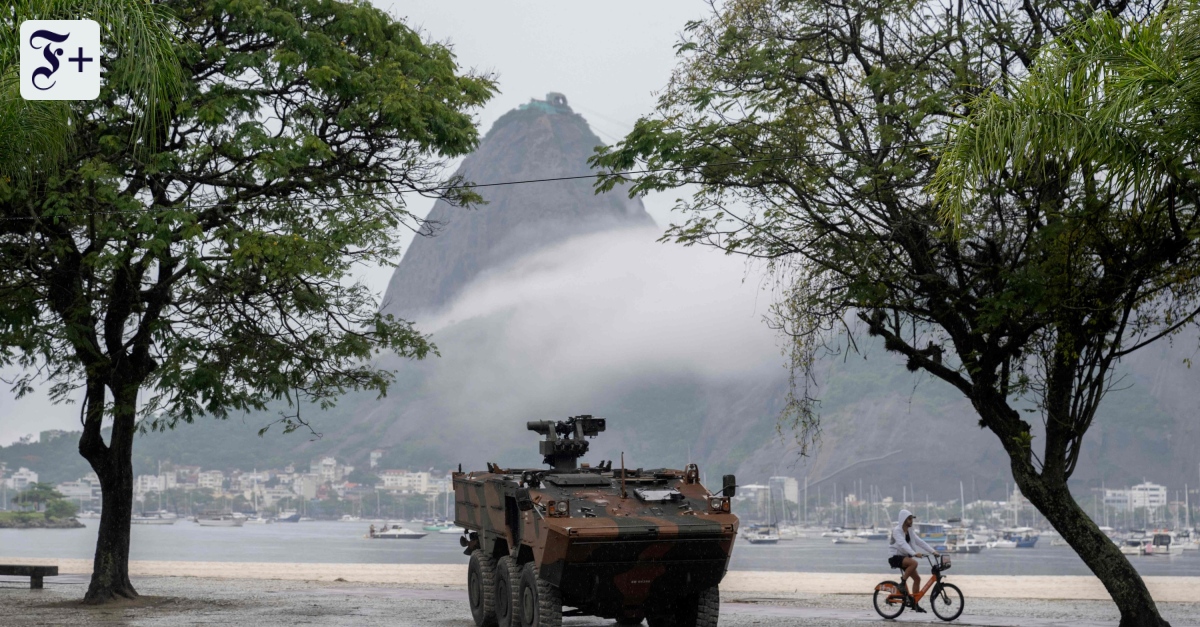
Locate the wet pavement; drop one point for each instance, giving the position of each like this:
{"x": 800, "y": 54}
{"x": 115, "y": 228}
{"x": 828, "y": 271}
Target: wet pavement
{"x": 179, "y": 601}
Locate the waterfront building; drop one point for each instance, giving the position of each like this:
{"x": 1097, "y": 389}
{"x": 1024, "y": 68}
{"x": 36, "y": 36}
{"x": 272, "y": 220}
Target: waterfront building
{"x": 21, "y": 479}
{"x": 306, "y": 484}
{"x": 784, "y": 489}
{"x": 84, "y": 492}
{"x": 212, "y": 479}
{"x": 1144, "y": 495}
{"x": 403, "y": 481}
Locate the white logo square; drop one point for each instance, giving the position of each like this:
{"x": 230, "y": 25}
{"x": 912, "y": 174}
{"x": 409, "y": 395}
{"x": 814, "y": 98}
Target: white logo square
{"x": 60, "y": 59}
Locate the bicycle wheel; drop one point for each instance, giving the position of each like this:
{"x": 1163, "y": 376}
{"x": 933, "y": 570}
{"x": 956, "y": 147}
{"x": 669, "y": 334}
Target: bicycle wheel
{"x": 889, "y": 600}
{"x": 947, "y": 603}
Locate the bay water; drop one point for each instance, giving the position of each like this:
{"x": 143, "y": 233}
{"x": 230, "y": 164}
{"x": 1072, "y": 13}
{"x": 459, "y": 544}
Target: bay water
{"x": 346, "y": 542}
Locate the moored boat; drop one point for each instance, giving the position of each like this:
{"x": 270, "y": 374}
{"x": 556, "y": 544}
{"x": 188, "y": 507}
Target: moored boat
{"x": 220, "y": 519}
{"x": 1164, "y": 545}
{"x": 834, "y": 532}
{"x": 396, "y": 532}
{"x": 1133, "y": 546}
{"x": 153, "y": 519}
{"x": 963, "y": 541}
{"x": 873, "y": 534}
{"x": 761, "y": 534}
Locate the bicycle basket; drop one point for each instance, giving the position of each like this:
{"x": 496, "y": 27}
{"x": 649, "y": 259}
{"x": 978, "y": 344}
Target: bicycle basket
{"x": 945, "y": 562}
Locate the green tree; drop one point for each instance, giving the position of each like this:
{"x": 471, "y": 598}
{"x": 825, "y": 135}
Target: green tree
{"x": 1095, "y": 151}
{"x": 37, "y": 134}
{"x": 36, "y": 495}
{"x": 60, "y": 509}
{"x": 809, "y": 130}
{"x": 212, "y": 274}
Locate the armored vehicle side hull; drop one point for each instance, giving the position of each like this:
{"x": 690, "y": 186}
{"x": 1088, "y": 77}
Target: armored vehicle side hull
{"x": 608, "y": 556}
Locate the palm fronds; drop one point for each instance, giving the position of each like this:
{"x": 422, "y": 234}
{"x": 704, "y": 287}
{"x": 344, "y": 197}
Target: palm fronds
{"x": 37, "y": 133}
{"x": 1121, "y": 97}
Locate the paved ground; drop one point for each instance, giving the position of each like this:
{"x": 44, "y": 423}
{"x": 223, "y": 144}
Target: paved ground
{"x": 178, "y": 601}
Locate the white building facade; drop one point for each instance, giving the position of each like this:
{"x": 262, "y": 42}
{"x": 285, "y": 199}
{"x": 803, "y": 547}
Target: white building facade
{"x": 1143, "y": 495}
{"x": 21, "y": 479}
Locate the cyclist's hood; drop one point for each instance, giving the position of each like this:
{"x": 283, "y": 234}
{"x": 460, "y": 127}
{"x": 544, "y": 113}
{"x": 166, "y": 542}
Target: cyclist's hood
{"x": 904, "y": 514}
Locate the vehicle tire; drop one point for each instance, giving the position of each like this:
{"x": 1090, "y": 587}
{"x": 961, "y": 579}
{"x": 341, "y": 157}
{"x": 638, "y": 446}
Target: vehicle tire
{"x": 698, "y": 610}
{"x": 508, "y": 588}
{"x": 481, "y": 588}
{"x": 631, "y": 618}
{"x": 883, "y": 606}
{"x": 540, "y": 603}
{"x": 948, "y": 603}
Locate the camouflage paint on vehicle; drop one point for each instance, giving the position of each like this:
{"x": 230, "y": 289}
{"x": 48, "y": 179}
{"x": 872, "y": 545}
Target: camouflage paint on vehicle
{"x": 614, "y": 543}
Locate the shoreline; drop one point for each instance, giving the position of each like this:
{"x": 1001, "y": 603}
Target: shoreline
{"x": 1067, "y": 587}
{"x": 41, "y": 523}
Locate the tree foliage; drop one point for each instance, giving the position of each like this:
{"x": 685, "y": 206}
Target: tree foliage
{"x": 37, "y": 495}
{"x": 811, "y": 131}
{"x": 210, "y": 267}
{"x": 60, "y": 509}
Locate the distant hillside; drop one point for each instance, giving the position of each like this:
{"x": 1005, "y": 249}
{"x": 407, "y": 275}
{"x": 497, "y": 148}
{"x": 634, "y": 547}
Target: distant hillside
{"x": 871, "y": 408}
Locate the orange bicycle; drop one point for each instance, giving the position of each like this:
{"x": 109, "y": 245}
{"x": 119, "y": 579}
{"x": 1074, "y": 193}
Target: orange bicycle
{"x": 946, "y": 600}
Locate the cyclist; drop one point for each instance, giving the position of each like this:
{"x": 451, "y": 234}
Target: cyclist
{"x": 903, "y": 555}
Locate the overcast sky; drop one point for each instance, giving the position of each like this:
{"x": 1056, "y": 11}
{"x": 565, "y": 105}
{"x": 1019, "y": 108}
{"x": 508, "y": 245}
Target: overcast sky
{"x": 608, "y": 58}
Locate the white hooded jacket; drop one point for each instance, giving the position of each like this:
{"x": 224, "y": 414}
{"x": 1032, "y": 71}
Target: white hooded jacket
{"x": 899, "y": 545}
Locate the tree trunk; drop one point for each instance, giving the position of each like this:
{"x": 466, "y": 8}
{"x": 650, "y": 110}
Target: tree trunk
{"x": 1054, "y": 500}
{"x": 110, "y": 570}
{"x": 113, "y": 464}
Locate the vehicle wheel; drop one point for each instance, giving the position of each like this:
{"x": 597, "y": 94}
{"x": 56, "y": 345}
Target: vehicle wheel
{"x": 481, "y": 588}
{"x": 889, "y": 599}
{"x": 508, "y": 585}
{"x": 699, "y": 610}
{"x": 948, "y": 603}
{"x": 541, "y": 603}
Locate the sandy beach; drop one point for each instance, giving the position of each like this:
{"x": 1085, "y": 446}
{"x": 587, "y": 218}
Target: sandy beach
{"x": 1164, "y": 589}
{"x": 284, "y": 600}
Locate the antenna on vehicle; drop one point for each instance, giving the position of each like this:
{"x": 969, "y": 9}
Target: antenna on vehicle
{"x": 623, "y": 495}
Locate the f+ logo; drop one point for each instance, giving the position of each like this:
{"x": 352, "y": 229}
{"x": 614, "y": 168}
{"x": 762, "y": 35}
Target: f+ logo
{"x": 43, "y": 46}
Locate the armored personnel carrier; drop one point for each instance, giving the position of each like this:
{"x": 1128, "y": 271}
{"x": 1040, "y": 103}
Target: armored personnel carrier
{"x": 615, "y": 543}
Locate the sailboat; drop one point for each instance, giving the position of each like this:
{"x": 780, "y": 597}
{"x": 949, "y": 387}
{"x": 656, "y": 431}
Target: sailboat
{"x": 764, "y": 534}
{"x": 256, "y": 519}
{"x": 160, "y": 517}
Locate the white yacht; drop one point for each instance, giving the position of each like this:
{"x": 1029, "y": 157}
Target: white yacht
{"x": 961, "y": 540}
{"x": 396, "y": 532}
{"x": 1133, "y": 546}
{"x": 1164, "y": 544}
{"x": 220, "y": 519}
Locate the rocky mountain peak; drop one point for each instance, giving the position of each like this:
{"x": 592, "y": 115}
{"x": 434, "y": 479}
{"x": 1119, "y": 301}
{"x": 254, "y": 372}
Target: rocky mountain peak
{"x": 543, "y": 139}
